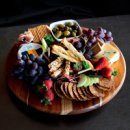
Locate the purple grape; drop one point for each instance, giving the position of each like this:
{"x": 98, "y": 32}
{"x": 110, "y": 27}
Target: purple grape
{"x": 95, "y": 33}
{"x": 21, "y": 69}
{"x": 109, "y": 38}
{"x": 102, "y": 39}
{"x": 92, "y": 39}
{"x": 40, "y": 71}
{"x": 80, "y": 51}
{"x": 20, "y": 76}
{"x": 100, "y": 30}
{"x": 34, "y": 80}
{"x": 26, "y": 73}
{"x": 87, "y": 56}
{"x": 32, "y": 73}
{"x": 16, "y": 72}
{"x": 34, "y": 66}
{"x": 90, "y": 53}
{"x": 12, "y": 73}
{"x": 104, "y": 31}
{"x": 90, "y": 32}
{"x": 100, "y": 35}
{"x": 40, "y": 61}
{"x": 29, "y": 63}
{"x": 32, "y": 57}
{"x": 89, "y": 44}
{"x": 15, "y": 66}
{"x": 24, "y": 57}
{"x": 78, "y": 45}
{"x": 108, "y": 34}
{"x": 20, "y": 62}
{"x": 85, "y": 31}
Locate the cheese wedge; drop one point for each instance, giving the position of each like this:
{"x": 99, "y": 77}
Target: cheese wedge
{"x": 110, "y": 52}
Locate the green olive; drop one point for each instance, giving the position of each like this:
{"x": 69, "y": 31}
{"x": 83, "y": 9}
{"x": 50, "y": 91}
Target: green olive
{"x": 73, "y": 34}
{"x": 70, "y": 29}
{"x": 66, "y": 28}
{"x": 55, "y": 29}
{"x": 70, "y": 24}
{"x": 66, "y": 33}
{"x": 75, "y": 31}
{"x": 58, "y": 34}
{"x": 61, "y": 25}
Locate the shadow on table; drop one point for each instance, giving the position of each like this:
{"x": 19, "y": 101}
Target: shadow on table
{"x": 54, "y": 119}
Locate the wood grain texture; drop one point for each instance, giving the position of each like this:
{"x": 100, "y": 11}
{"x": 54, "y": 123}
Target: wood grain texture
{"x": 61, "y": 106}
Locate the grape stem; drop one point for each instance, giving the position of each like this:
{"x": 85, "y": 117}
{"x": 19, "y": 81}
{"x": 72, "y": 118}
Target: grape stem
{"x": 46, "y": 58}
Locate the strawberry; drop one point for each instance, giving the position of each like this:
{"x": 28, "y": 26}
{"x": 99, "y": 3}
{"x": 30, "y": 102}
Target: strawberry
{"x": 106, "y": 72}
{"x": 102, "y": 63}
{"x": 48, "y": 97}
{"x": 47, "y": 84}
{"x": 94, "y": 61}
{"x": 71, "y": 71}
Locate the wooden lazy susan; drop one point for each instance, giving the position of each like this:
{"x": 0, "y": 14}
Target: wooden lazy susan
{"x": 62, "y": 106}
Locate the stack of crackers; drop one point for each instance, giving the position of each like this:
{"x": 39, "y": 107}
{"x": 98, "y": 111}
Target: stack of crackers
{"x": 39, "y": 32}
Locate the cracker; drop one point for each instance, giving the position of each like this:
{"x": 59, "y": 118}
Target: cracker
{"x": 39, "y": 32}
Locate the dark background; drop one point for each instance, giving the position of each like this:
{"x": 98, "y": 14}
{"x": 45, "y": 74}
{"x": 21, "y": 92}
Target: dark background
{"x": 18, "y": 12}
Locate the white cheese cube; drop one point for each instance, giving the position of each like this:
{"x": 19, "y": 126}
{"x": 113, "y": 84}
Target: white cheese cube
{"x": 110, "y": 52}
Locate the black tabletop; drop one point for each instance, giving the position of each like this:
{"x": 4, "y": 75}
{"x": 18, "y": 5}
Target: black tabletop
{"x": 14, "y": 115}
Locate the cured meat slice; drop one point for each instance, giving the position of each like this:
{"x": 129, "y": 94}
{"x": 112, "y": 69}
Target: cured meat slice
{"x": 96, "y": 91}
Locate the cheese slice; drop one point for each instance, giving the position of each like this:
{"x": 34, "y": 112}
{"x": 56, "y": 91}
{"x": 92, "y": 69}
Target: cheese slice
{"x": 110, "y": 52}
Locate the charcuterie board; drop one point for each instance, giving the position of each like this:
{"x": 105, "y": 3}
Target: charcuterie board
{"x": 62, "y": 106}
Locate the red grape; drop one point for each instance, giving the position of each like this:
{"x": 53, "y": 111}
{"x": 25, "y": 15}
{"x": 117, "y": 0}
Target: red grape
{"x": 100, "y": 30}
{"x": 92, "y": 39}
{"x": 87, "y": 56}
{"x": 78, "y": 45}
{"x": 85, "y": 31}
{"x": 108, "y": 34}
{"x": 90, "y": 32}
{"x": 109, "y": 38}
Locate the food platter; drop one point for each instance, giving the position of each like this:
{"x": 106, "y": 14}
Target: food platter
{"x": 62, "y": 106}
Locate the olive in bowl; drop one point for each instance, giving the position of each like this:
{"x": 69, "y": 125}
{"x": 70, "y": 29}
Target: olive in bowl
{"x": 65, "y": 28}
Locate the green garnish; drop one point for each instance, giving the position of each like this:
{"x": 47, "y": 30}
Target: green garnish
{"x": 114, "y": 72}
{"x": 85, "y": 65}
{"x": 93, "y": 58}
{"x": 78, "y": 66}
{"x": 49, "y": 39}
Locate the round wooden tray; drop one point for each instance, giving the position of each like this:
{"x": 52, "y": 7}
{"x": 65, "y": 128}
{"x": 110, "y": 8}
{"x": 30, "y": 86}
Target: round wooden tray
{"x": 62, "y": 106}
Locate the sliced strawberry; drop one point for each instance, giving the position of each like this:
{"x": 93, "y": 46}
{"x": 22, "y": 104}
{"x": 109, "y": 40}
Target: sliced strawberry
{"x": 48, "y": 97}
{"x": 102, "y": 63}
{"x": 106, "y": 72}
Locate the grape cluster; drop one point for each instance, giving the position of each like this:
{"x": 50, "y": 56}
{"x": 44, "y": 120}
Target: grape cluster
{"x": 90, "y": 35}
{"x": 31, "y": 69}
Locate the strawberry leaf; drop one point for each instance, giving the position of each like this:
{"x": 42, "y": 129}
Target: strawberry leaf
{"x": 85, "y": 65}
{"x": 114, "y": 72}
{"x": 78, "y": 66}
